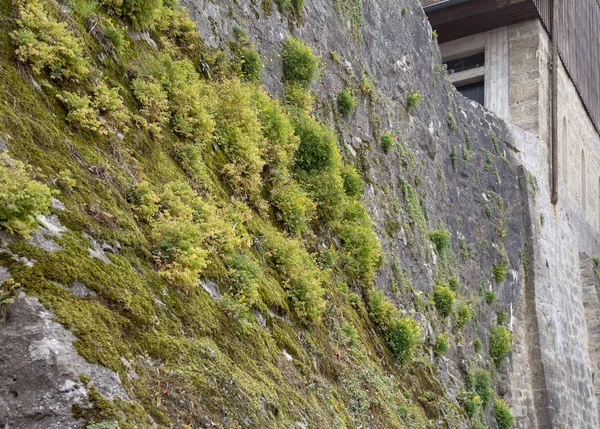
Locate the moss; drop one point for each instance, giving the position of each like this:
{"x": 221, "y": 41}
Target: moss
{"x": 117, "y": 190}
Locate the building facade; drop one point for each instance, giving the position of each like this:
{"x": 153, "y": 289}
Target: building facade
{"x": 504, "y": 55}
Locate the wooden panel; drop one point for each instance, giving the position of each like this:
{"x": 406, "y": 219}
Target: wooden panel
{"x": 578, "y": 36}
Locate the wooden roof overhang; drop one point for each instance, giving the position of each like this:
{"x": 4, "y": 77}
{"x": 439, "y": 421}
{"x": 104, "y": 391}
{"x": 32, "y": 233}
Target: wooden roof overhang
{"x": 453, "y": 19}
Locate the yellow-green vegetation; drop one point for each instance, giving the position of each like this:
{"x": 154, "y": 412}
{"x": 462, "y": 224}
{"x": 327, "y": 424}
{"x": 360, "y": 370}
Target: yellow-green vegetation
{"x": 202, "y": 178}
{"x": 504, "y": 418}
{"x": 387, "y": 142}
{"x": 500, "y": 344}
{"x": 414, "y": 99}
{"x": 441, "y": 240}
{"x": 381, "y": 310}
{"x": 443, "y": 298}
{"x": 300, "y": 65}
{"x": 464, "y": 313}
{"x": 46, "y": 44}
{"x": 500, "y": 271}
{"x": 345, "y": 103}
{"x": 403, "y": 337}
{"x": 22, "y": 199}
{"x": 441, "y": 345}
{"x": 480, "y": 381}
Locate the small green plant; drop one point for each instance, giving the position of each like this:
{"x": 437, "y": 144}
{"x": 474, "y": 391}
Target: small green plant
{"x": 345, "y": 103}
{"x": 500, "y": 271}
{"x": 251, "y": 64}
{"x": 82, "y": 113}
{"x": 22, "y": 199}
{"x": 441, "y": 239}
{"x": 542, "y": 219}
{"x": 353, "y": 183}
{"x": 472, "y": 404}
{"x": 454, "y": 283}
{"x": 142, "y": 13}
{"x": 154, "y": 104}
{"x": 502, "y": 317}
{"x": 178, "y": 251}
{"x": 352, "y": 337}
{"x": 110, "y": 104}
{"x": 463, "y": 315}
{"x": 495, "y": 141}
{"x": 318, "y": 147}
{"x": 500, "y": 344}
{"x": 480, "y": 381}
{"x": 295, "y": 206}
{"x": 490, "y": 297}
{"x": 404, "y": 10}
{"x": 504, "y": 418}
{"x": 443, "y": 298}
{"x": 477, "y": 345}
{"x": 441, "y": 345}
{"x": 302, "y": 276}
{"x": 47, "y": 44}
{"x": 403, "y": 337}
{"x": 451, "y": 122}
{"x": 114, "y": 35}
{"x": 467, "y": 149}
{"x": 434, "y": 34}
{"x": 454, "y": 157}
{"x": 387, "y": 142}
{"x": 237, "y": 311}
{"x": 300, "y": 65}
{"x": 381, "y": 309}
{"x": 414, "y": 99}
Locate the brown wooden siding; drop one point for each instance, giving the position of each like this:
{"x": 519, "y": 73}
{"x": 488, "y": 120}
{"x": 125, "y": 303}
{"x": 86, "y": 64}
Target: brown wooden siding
{"x": 578, "y": 36}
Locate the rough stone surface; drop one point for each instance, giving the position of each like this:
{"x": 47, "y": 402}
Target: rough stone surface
{"x": 40, "y": 369}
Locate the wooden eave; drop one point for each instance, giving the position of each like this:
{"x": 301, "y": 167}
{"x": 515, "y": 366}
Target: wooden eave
{"x": 476, "y": 16}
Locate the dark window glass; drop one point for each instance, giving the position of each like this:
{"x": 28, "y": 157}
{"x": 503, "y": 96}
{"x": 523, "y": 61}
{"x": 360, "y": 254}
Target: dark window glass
{"x": 466, "y": 63}
{"x": 474, "y": 91}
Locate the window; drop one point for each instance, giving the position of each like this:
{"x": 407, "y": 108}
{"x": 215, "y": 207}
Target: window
{"x": 466, "y": 63}
{"x": 467, "y": 75}
{"x": 474, "y": 91}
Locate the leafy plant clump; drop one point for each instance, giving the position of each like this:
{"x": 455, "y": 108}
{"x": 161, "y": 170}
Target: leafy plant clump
{"x": 403, "y": 337}
{"x": 414, "y": 99}
{"x": 480, "y": 381}
{"x": 251, "y": 64}
{"x": 500, "y": 344}
{"x": 345, "y": 103}
{"x": 46, "y": 44}
{"x": 504, "y": 418}
{"x": 443, "y": 298}
{"x": 22, "y": 199}
{"x": 353, "y": 182}
{"x": 387, "y": 142}
{"x": 381, "y": 309}
{"x": 441, "y": 239}
{"x": 441, "y": 345}
{"x": 463, "y": 315}
{"x": 300, "y": 65}
{"x": 500, "y": 271}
